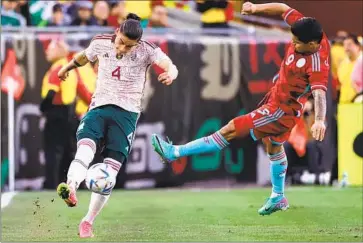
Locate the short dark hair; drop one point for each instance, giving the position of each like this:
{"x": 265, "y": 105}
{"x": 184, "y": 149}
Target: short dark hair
{"x": 307, "y": 29}
{"x": 57, "y": 8}
{"x": 131, "y": 27}
{"x": 354, "y": 38}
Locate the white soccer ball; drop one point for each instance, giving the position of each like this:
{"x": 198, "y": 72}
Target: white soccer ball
{"x": 100, "y": 179}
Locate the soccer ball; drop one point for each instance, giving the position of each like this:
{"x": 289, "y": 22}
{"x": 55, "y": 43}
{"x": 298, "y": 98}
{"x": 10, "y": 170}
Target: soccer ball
{"x": 99, "y": 179}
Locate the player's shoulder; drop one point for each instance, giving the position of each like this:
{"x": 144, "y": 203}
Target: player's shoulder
{"x": 103, "y": 39}
{"x": 147, "y": 44}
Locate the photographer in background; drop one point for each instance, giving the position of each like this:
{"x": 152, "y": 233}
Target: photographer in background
{"x": 308, "y": 162}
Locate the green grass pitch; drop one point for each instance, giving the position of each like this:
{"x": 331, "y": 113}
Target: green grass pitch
{"x": 315, "y": 214}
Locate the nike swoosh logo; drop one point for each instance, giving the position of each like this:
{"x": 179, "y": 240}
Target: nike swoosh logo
{"x": 267, "y": 209}
{"x": 161, "y": 148}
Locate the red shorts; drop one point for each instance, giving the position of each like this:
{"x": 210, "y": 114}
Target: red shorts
{"x": 267, "y": 121}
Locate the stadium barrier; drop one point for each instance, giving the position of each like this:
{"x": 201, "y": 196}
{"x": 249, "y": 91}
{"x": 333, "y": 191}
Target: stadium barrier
{"x": 220, "y": 77}
{"x": 350, "y": 142}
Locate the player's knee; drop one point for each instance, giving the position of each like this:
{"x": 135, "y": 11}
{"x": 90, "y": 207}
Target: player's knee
{"x": 272, "y": 148}
{"x": 229, "y": 131}
{"x": 86, "y": 149}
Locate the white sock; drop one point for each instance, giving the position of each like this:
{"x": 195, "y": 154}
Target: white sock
{"x": 97, "y": 200}
{"x": 96, "y": 204}
{"x": 78, "y": 168}
{"x": 114, "y": 164}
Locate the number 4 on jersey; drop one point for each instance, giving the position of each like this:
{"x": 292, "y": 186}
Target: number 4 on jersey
{"x": 117, "y": 73}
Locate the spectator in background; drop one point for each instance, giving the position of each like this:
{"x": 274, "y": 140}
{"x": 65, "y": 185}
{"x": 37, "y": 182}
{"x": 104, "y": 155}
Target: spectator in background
{"x": 357, "y": 78}
{"x": 8, "y": 15}
{"x": 337, "y": 54}
{"x": 84, "y": 14}
{"x": 23, "y": 9}
{"x": 70, "y": 9}
{"x": 352, "y": 49}
{"x": 213, "y": 13}
{"x": 117, "y": 14}
{"x": 57, "y": 106}
{"x": 141, "y": 8}
{"x": 57, "y": 98}
{"x": 159, "y": 17}
{"x": 101, "y": 11}
{"x": 184, "y": 5}
{"x": 57, "y": 18}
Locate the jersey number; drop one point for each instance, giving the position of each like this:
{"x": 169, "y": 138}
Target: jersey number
{"x": 117, "y": 73}
{"x": 264, "y": 112}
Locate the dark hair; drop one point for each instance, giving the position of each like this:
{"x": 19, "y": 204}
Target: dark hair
{"x": 307, "y": 29}
{"x": 354, "y": 38}
{"x": 131, "y": 27}
{"x": 57, "y": 8}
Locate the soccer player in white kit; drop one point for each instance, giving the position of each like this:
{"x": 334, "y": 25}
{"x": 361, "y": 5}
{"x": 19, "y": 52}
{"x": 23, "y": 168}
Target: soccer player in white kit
{"x": 115, "y": 107}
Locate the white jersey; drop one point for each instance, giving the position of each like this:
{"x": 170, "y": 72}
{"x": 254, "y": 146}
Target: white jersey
{"x": 121, "y": 81}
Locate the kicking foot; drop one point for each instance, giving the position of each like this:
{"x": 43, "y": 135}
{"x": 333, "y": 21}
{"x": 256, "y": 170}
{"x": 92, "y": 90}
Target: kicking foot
{"x": 164, "y": 149}
{"x": 273, "y": 205}
{"x": 68, "y": 194}
{"x": 85, "y": 230}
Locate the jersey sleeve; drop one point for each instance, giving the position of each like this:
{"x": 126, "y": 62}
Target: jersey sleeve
{"x": 53, "y": 80}
{"x": 318, "y": 71}
{"x": 156, "y": 55}
{"x": 93, "y": 50}
{"x": 291, "y": 16}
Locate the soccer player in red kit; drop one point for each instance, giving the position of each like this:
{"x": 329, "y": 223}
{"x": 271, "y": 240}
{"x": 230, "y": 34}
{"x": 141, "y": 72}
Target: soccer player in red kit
{"x": 304, "y": 71}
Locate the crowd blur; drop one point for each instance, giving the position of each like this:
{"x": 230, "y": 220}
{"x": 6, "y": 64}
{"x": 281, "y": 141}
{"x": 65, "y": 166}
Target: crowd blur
{"x": 214, "y": 13}
{"x": 58, "y": 99}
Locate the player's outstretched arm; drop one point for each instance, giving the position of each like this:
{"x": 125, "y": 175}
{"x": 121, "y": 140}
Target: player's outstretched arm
{"x": 171, "y": 72}
{"x": 318, "y": 128}
{"x": 79, "y": 60}
{"x": 266, "y": 8}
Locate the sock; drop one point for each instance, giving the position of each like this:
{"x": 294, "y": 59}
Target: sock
{"x": 214, "y": 142}
{"x": 96, "y": 204}
{"x": 114, "y": 164}
{"x": 278, "y": 167}
{"x": 78, "y": 169}
{"x": 97, "y": 200}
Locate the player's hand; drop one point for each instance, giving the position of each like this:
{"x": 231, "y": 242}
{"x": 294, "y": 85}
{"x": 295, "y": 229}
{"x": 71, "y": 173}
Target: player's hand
{"x": 318, "y": 130}
{"x": 164, "y": 78}
{"x": 248, "y": 8}
{"x": 63, "y": 74}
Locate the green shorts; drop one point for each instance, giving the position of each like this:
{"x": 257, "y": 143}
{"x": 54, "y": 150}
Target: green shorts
{"x": 111, "y": 124}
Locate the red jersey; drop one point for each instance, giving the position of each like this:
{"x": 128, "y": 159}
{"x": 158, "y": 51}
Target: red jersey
{"x": 299, "y": 73}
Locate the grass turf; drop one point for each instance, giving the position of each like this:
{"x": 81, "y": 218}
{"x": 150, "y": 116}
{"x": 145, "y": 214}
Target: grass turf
{"x": 315, "y": 214}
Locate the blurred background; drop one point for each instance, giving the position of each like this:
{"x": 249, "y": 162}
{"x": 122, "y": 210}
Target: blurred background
{"x": 226, "y": 63}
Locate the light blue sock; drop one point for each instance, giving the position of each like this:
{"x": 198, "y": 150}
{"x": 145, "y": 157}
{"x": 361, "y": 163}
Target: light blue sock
{"x": 278, "y": 167}
{"x": 214, "y": 142}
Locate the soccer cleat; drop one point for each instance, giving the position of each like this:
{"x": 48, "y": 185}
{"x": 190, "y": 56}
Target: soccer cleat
{"x": 273, "y": 205}
{"x": 85, "y": 230}
{"x": 164, "y": 149}
{"x": 67, "y": 193}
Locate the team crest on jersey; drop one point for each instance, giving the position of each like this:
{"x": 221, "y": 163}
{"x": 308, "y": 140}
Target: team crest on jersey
{"x": 119, "y": 56}
{"x": 300, "y": 63}
{"x": 133, "y": 57}
{"x": 290, "y": 59}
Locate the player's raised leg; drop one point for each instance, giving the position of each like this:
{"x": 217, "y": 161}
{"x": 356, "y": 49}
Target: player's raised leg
{"x": 214, "y": 142}
{"x": 89, "y": 132}
{"x": 238, "y": 127}
{"x": 278, "y": 167}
